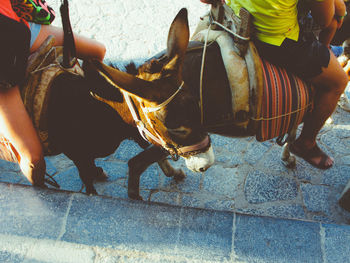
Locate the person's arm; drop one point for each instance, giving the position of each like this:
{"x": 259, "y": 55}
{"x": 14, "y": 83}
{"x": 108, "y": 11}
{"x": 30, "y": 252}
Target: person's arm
{"x": 323, "y": 12}
{"x": 340, "y": 11}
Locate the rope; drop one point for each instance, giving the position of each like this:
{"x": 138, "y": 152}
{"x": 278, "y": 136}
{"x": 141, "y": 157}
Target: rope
{"x": 201, "y": 74}
{"x": 282, "y": 115}
{"x": 230, "y": 31}
{"x": 163, "y": 104}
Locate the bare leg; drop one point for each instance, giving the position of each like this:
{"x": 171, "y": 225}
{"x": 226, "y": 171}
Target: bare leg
{"x": 327, "y": 34}
{"x": 86, "y": 47}
{"x": 17, "y": 127}
{"x": 330, "y": 84}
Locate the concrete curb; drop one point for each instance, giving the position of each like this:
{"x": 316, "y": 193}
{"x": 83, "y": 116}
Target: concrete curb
{"x": 59, "y": 226}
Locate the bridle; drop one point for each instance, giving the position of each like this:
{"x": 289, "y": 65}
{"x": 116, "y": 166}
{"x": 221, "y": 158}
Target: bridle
{"x": 154, "y": 135}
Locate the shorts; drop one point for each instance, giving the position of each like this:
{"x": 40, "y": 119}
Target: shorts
{"x": 14, "y": 51}
{"x": 305, "y": 57}
{"x": 34, "y": 32}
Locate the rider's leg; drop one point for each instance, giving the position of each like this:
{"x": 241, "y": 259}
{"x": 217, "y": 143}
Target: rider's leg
{"x": 311, "y": 60}
{"x": 329, "y": 85}
{"x": 326, "y": 35}
{"x": 86, "y": 47}
{"x": 15, "y": 124}
{"x": 17, "y": 127}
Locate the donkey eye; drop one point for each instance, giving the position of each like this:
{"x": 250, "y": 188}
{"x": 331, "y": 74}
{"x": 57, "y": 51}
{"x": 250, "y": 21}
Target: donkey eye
{"x": 181, "y": 131}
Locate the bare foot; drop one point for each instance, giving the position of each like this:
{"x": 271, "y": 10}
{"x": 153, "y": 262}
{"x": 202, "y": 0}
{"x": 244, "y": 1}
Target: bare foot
{"x": 315, "y": 156}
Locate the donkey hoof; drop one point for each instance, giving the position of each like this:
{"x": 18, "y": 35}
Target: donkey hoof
{"x": 290, "y": 162}
{"x": 179, "y": 175}
{"x": 91, "y": 192}
{"x": 135, "y": 196}
{"x": 101, "y": 176}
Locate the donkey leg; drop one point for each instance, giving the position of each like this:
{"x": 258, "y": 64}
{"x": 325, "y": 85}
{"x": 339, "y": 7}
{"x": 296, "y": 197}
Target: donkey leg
{"x": 87, "y": 173}
{"x": 170, "y": 171}
{"x": 289, "y": 159}
{"x": 138, "y": 164}
{"x": 100, "y": 175}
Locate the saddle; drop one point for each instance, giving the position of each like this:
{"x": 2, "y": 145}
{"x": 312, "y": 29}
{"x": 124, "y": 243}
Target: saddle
{"x": 43, "y": 67}
{"x": 267, "y": 101}
{"x": 241, "y": 60}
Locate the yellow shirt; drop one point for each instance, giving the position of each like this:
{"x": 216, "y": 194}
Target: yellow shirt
{"x": 274, "y": 20}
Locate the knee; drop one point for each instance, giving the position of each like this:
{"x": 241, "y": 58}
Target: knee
{"x": 101, "y": 51}
{"x": 339, "y": 83}
{"x": 343, "y": 82}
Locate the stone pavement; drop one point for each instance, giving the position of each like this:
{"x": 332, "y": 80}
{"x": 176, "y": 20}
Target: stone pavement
{"x": 247, "y": 178}
{"x": 50, "y": 226}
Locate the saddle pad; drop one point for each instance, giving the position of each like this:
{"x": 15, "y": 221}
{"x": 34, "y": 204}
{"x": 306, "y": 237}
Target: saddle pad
{"x": 7, "y": 151}
{"x": 286, "y": 99}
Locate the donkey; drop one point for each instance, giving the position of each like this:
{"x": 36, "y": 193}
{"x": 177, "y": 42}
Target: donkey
{"x": 155, "y": 105}
{"x": 211, "y": 87}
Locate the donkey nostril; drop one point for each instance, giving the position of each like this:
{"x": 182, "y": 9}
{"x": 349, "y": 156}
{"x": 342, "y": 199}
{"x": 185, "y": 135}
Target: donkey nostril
{"x": 202, "y": 169}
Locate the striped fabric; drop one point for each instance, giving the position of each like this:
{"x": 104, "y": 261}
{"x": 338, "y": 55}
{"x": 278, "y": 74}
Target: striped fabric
{"x": 7, "y": 151}
{"x": 286, "y": 98}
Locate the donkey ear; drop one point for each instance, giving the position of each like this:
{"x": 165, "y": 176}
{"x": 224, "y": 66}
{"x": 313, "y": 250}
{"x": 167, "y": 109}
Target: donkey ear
{"x": 178, "y": 38}
{"x": 124, "y": 81}
{"x": 98, "y": 85}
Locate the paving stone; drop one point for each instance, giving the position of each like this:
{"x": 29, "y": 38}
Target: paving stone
{"x": 127, "y": 150}
{"x": 69, "y": 180}
{"x": 50, "y": 167}
{"x": 114, "y": 170}
{"x": 302, "y": 172}
{"x": 12, "y": 250}
{"x": 11, "y": 177}
{"x": 337, "y": 176}
{"x": 289, "y": 211}
{"x": 229, "y": 159}
{"x": 60, "y": 161}
{"x": 235, "y": 145}
{"x": 255, "y": 152}
{"x": 223, "y": 181}
{"x": 336, "y": 243}
{"x": 332, "y": 141}
{"x": 322, "y": 218}
{"x": 273, "y": 162}
{"x": 260, "y": 188}
{"x": 316, "y": 197}
{"x": 110, "y": 224}
{"x": 294, "y": 211}
{"x": 172, "y": 198}
{"x": 53, "y": 251}
{"x": 6, "y": 257}
{"x": 150, "y": 178}
{"x": 222, "y": 204}
{"x": 259, "y": 239}
{"x": 9, "y": 166}
{"x": 115, "y": 189}
{"x": 190, "y": 184}
{"x": 31, "y": 213}
{"x": 208, "y": 232}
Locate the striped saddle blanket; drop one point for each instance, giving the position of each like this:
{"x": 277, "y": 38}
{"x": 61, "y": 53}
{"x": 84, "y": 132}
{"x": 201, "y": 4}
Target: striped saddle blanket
{"x": 286, "y": 98}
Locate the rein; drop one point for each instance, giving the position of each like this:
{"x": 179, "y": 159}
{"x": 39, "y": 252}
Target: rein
{"x": 173, "y": 151}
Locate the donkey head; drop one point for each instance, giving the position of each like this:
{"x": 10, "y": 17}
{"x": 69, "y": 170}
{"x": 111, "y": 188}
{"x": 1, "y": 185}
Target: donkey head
{"x": 165, "y": 111}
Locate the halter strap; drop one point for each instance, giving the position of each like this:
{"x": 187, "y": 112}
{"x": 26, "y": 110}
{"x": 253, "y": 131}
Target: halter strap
{"x": 163, "y": 104}
{"x": 157, "y": 138}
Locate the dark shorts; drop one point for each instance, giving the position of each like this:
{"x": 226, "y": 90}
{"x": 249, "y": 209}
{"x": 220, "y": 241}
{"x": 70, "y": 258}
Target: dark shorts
{"x": 14, "y": 51}
{"x": 305, "y": 58}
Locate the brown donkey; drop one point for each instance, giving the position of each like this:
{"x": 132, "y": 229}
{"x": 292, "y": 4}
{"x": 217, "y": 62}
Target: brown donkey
{"x": 89, "y": 115}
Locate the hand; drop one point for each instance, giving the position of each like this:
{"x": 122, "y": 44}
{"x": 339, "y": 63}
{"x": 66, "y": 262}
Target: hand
{"x": 212, "y": 1}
